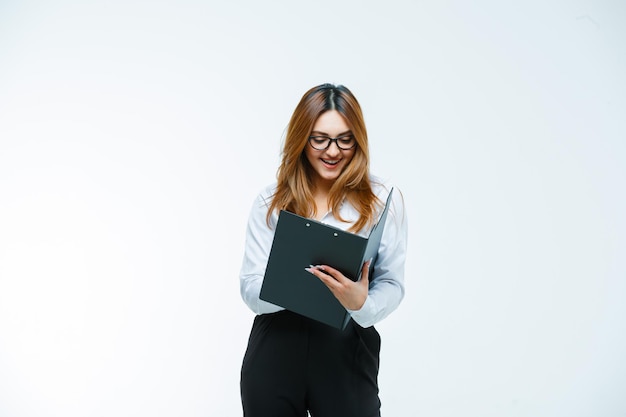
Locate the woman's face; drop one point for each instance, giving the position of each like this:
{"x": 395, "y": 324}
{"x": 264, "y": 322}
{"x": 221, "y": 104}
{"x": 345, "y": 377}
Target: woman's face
{"x": 329, "y": 163}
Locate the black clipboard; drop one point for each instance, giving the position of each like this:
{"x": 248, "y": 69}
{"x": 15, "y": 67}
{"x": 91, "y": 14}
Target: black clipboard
{"x": 300, "y": 242}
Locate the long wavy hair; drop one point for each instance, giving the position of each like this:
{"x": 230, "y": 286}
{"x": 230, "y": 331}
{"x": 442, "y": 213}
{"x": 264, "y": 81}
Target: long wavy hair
{"x": 294, "y": 190}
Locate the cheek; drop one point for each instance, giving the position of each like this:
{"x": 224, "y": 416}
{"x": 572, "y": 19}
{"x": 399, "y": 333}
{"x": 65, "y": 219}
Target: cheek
{"x": 309, "y": 155}
{"x": 349, "y": 156}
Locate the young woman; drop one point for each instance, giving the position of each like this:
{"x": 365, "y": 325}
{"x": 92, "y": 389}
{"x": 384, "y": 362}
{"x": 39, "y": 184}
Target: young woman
{"x": 294, "y": 364}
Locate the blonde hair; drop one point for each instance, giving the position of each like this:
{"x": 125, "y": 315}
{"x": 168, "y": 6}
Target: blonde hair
{"x": 294, "y": 191}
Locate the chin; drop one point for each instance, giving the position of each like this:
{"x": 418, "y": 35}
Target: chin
{"x": 330, "y": 177}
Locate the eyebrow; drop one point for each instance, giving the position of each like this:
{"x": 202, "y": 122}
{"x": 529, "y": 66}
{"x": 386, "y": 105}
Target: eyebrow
{"x": 317, "y": 132}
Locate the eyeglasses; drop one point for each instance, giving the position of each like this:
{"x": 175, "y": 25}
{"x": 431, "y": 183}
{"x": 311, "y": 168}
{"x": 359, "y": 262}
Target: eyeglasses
{"x": 343, "y": 142}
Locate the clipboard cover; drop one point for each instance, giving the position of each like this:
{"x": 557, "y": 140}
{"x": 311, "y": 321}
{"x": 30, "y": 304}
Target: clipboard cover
{"x": 300, "y": 242}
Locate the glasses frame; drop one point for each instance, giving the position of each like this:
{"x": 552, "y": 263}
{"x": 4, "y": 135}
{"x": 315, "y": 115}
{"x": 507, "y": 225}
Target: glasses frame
{"x": 331, "y": 140}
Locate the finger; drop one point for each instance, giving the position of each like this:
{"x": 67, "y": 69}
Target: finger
{"x": 321, "y": 271}
{"x": 365, "y": 272}
{"x": 332, "y": 273}
{"x": 327, "y": 279}
{"x": 329, "y": 270}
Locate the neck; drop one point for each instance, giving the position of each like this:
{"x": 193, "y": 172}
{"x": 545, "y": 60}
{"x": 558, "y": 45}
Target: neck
{"x": 322, "y": 187}
{"x": 320, "y": 197}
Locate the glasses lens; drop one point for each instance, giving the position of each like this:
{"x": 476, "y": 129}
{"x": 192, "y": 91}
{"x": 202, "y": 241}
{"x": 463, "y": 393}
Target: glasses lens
{"x": 323, "y": 142}
{"x": 346, "y": 142}
{"x": 319, "y": 142}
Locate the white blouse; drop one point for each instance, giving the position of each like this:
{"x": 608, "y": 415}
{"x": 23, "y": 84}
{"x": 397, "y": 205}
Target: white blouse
{"x": 386, "y": 288}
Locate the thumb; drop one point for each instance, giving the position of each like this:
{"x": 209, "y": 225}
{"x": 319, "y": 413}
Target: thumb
{"x": 365, "y": 274}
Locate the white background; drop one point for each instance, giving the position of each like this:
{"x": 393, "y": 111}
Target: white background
{"x": 134, "y": 136}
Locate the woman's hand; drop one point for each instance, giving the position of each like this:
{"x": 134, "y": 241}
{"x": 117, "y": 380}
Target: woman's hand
{"x": 351, "y": 295}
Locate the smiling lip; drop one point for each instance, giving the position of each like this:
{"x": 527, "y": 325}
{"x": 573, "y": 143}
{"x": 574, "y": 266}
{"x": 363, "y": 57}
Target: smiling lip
{"x": 331, "y": 163}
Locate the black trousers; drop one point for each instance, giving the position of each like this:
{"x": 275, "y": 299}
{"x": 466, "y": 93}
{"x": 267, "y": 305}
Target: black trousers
{"x": 294, "y": 364}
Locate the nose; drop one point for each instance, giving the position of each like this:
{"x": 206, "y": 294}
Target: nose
{"x": 333, "y": 149}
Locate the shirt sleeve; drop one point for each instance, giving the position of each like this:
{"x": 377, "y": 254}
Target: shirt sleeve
{"x": 386, "y": 289}
{"x": 258, "y": 244}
